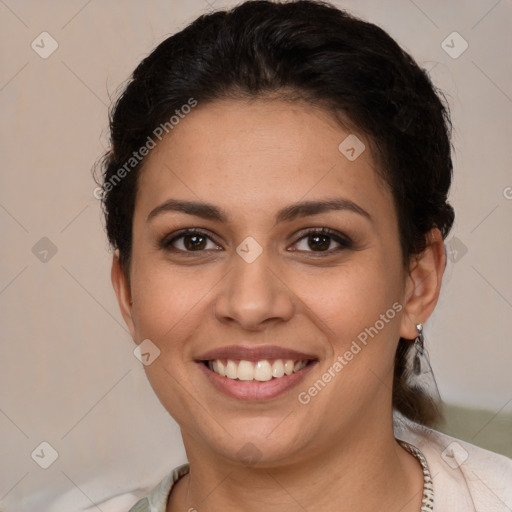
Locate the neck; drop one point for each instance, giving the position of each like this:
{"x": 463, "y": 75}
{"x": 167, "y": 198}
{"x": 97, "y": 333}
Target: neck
{"x": 356, "y": 472}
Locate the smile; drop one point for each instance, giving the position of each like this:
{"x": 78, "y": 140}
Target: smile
{"x": 262, "y": 370}
{"x": 255, "y": 372}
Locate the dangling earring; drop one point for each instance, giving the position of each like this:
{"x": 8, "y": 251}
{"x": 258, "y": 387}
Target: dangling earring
{"x": 419, "y": 343}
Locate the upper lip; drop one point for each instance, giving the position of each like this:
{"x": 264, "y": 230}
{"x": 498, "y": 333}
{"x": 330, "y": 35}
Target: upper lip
{"x": 254, "y": 353}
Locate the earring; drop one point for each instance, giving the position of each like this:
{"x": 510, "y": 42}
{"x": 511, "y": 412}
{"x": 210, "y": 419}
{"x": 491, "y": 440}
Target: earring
{"x": 419, "y": 374}
{"x": 419, "y": 343}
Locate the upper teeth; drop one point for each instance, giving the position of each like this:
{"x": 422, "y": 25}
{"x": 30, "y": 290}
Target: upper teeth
{"x": 259, "y": 370}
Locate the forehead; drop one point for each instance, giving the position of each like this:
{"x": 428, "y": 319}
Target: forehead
{"x": 258, "y": 153}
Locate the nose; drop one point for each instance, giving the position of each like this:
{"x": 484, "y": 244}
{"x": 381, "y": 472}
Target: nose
{"x": 253, "y": 295}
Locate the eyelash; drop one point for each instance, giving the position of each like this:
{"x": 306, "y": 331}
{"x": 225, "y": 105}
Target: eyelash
{"x": 342, "y": 240}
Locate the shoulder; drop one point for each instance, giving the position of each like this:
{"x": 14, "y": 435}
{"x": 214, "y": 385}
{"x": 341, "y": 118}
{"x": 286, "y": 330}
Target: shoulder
{"x": 465, "y": 477}
{"x": 156, "y": 500}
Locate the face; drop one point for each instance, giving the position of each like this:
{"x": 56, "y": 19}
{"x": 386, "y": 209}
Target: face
{"x": 294, "y": 256}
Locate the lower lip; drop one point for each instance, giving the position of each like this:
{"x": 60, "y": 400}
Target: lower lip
{"x": 253, "y": 389}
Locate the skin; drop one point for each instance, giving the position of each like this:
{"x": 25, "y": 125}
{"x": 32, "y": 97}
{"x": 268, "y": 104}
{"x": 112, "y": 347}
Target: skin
{"x": 251, "y": 159}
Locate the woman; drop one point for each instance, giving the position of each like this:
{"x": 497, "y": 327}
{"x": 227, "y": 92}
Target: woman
{"x": 276, "y": 194}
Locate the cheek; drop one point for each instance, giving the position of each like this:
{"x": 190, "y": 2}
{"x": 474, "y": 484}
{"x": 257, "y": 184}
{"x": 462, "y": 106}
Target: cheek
{"x": 168, "y": 307}
{"x": 360, "y": 312}
{"x": 360, "y": 305}
{"x": 353, "y": 297}
{"x": 167, "y": 301}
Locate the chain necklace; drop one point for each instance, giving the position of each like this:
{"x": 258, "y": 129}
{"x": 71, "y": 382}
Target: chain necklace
{"x": 427, "y": 502}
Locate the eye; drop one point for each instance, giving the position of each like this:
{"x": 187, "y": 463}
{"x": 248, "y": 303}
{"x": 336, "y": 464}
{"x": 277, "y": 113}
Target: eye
{"x": 188, "y": 240}
{"x": 321, "y": 241}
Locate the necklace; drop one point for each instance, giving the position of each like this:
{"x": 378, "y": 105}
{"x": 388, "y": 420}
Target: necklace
{"x": 427, "y": 502}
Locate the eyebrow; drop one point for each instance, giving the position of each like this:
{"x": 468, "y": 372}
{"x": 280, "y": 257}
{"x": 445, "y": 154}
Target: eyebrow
{"x": 287, "y": 214}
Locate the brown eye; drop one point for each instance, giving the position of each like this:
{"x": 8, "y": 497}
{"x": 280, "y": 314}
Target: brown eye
{"x": 194, "y": 242}
{"x": 319, "y": 242}
{"x": 322, "y": 240}
{"x": 188, "y": 241}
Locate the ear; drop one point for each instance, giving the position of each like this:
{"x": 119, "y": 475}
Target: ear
{"x": 423, "y": 284}
{"x": 123, "y": 292}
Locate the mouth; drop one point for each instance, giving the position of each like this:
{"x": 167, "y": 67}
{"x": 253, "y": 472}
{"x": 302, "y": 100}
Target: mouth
{"x": 262, "y": 370}
{"x": 252, "y": 373}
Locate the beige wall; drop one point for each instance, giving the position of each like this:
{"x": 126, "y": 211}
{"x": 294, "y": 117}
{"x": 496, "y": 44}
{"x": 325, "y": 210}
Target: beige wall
{"x": 68, "y": 374}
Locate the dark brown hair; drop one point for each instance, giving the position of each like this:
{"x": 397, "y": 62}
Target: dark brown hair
{"x": 312, "y": 51}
